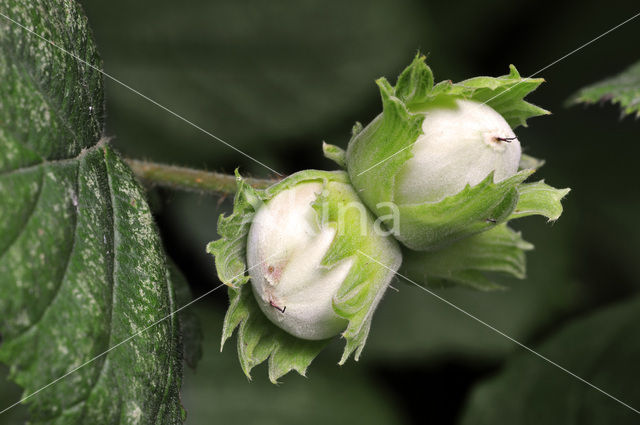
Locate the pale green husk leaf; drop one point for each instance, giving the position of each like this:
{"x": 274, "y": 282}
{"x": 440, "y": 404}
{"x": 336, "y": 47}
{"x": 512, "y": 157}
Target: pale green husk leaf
{"x": 473, "y": 210}
{"x": 539, "y": 198}
{"x": 468, "y": 262}
{"x": 336, "y": 154}
{"x": 230, "y": 250}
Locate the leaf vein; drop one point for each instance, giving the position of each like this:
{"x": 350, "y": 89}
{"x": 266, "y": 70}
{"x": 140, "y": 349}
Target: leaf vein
{"x": 66, "y": 268}
{"x": 29, "y": 217}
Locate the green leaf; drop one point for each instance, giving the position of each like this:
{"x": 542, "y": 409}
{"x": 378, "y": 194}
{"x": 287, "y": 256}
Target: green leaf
{"x": 376, "y": 153}
{"x": 10, "y": 393}
{"x": 466, "y": 262}
{"x": 539, "y": 199}
{"x": 622, "y": 89}
{"x": 602, "y": 348}
{"x": 190, "y": 327}
{"x": 81, "y": 264}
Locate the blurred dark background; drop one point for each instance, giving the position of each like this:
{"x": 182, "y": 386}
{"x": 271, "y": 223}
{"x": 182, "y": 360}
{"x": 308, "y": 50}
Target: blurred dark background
{"x": 275, "y": 79}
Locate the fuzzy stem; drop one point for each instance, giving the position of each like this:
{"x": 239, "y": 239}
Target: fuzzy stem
{"x": 190, "y": 179}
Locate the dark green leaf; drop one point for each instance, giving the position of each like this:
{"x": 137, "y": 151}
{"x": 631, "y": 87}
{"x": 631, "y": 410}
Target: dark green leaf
{"x": 622, "y": 89}
{"x": 10, "y": 393}
{"x": 602, "y": 348}
{"x": 190, "y": 327}
{"x": 81, "y": 264}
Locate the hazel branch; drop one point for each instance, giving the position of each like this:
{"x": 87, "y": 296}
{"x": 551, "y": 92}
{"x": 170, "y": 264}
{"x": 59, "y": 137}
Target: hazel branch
{"x": 190, "y": 179}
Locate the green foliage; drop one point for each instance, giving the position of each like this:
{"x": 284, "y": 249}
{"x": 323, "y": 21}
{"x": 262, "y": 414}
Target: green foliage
{"x": 9, "y": 394}
{"x": 622, "y": 89}
{"x": 602, "y": 348}
{"x": 81, "y": 264}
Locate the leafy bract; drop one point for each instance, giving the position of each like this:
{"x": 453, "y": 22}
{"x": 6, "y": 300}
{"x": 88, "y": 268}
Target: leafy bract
{"x": 622, "y": 89}
{"x": 475, "y": 209}
{"x": 356, "y": 300}
{"x": 378, "y": 153}
{"x": 602, "y": 349}
{"x": 548, "y": 294}
{"x": 467, "y": 262}
{"x": 259, "y": 339}
{"x": 505, "y": 94}
{"x": 336, "y": 154}
{"x": 499, "y": 249}
{"x": 539, "y": 198}
{"x": 81, "y": 265}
